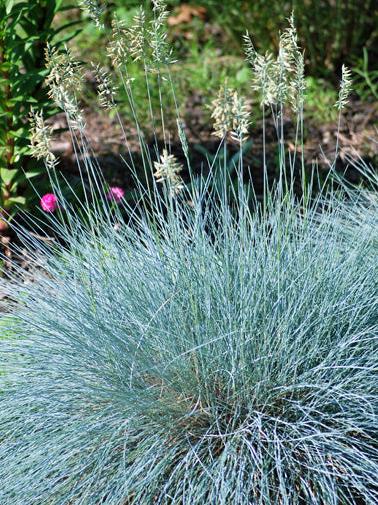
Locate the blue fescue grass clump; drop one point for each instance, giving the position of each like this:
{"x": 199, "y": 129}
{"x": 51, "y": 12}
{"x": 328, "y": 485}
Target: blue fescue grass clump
{"x": 196, "y": 355}
{"x": 195, "y": 344}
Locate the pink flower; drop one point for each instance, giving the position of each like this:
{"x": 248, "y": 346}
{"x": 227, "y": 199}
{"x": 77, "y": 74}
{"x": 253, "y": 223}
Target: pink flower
{"x": 49, "y": 202}
{"x": 115, "y": 193}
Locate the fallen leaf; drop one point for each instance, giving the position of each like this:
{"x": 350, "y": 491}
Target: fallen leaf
{"x": 185, "y": 13}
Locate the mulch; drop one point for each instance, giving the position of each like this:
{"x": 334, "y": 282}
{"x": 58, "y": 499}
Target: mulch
{"x": 358, "y": 138}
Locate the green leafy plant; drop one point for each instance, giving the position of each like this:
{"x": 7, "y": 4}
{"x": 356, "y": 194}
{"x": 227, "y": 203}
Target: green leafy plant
{"x": 321, "y": 96}
{"x": 331, "y": 31}
{"x": 224, "y": 162}
{"x": 25, "y": 30}
{"x": 366, "y": 81}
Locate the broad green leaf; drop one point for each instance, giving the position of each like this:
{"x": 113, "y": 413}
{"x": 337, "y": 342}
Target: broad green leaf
{"x": 6, "y": 175}
{"x": 20, "y": 200}
{"x": 30, "y": 174}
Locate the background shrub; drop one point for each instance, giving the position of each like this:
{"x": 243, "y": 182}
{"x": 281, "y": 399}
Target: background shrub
{"x": 25, "y": 30}
{"x": 333, "y": 32}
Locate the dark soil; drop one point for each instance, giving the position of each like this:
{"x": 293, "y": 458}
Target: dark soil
{"x": 358, "y": 138}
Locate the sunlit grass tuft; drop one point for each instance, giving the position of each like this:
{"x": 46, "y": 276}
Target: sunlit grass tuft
{"x": 213, "y": 359}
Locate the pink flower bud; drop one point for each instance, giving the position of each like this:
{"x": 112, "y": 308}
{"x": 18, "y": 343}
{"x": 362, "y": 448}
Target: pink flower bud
{"x": 49, "y": 202}
{"x": 115, "y": 193}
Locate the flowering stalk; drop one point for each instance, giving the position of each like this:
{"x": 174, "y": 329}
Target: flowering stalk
{"x": 168, "y": 170}
{"x": 64, "y": 81}
{"x": 230, "y": 114}
{"x": 40, "y": 140}
{"x": 343, "y": 99}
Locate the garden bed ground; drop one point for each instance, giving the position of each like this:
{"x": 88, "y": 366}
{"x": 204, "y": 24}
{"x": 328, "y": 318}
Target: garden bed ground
{"x": 358, "y": 138}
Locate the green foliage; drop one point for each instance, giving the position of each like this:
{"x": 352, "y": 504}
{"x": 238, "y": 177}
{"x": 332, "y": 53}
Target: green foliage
{"x": 224, "y": 162}
{"x": 366, "y": 81}
{"x": 320, "y": 97}
{"x": 332, "y": 31}
{"x": 204, "y": 63}
{"x": 7, "y": 327}
{"x": 25, "y": 30}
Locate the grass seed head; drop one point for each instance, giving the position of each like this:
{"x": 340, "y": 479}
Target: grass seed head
{"x": 117, "y": 49}
{"x": 168, "y": 170}
{"x": 106, "y": 90}
{"x": 230, "y": 114}
{"x": 345, "y": 88}
{"x": 64, "y": 81}
{"x": 40, "y": 139}
{"x": 95, "y": 11}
